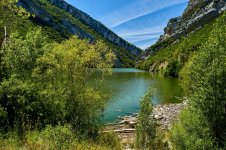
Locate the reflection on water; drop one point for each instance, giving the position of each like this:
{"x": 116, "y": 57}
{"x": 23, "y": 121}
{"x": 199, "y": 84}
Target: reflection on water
{"x": 127, "y": 86}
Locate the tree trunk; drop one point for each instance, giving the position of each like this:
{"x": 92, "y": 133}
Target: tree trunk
{"x": 5, "y": 35}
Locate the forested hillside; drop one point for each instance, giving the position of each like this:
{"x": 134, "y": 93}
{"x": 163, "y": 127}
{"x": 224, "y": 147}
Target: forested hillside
{"x": 64, "y": 20}
{"x": 183, "y": 36}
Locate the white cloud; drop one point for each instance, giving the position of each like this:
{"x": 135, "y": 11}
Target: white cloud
{"x": 153, "y": 30}
{"x": 145, "y": 30}
{"x": 135, "y": 10}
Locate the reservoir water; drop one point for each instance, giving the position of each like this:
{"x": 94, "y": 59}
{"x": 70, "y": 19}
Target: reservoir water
{"x": 126, "y": 86}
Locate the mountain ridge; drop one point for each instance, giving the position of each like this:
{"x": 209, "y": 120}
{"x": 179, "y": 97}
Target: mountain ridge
{"x": 69, "y": 20}
{"x": 197, "y": 14}
{"x": 96, "y": 25}
{"x": 182, "y": 37}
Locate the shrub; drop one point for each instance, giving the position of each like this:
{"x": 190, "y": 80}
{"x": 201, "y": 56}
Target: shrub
{"x": 191, "y": 132}
{"x": 10, "y": 141}
{"x": 110, "y": 140}
{"x": 146, "y": 126}
{"x": 173, "y": 68}
{"x": 50, "y": 138}
{"x": 59, "y": 137}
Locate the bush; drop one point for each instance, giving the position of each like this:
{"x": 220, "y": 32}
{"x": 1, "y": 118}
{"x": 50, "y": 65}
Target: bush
{"x": 59, "y": 137}
{"x": 146, "y": 126}
{"x": 50, "y": 138}
{"x": 110, "y": 140}
{"x": 173, "y": 68}
{"x": 3, "y": 117}
{"x": 10, "y": 141}
{"x": 191, "y": 132}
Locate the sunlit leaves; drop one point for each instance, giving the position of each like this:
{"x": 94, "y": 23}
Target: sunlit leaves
{"x": 72, "y": 72}
{"x": 205, "y": 78}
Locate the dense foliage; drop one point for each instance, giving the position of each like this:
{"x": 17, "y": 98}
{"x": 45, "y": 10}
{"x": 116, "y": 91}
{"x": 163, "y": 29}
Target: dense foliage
{"x": 191, "y": 132}
{"x": 147, "y": 134}
{"x": 48, "y": 83}
{"x": 204, "y": 82}
{"x": 44, "y": 83}
{"x": 146, "y": 127}
{"x": 57, "y": 138}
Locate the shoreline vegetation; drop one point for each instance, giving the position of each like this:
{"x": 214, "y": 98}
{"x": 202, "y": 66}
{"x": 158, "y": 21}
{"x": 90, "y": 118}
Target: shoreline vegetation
{"x": 164, "y": 114}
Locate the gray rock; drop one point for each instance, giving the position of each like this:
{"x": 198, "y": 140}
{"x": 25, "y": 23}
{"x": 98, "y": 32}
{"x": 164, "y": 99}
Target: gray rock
{"x": 197, "y": 14}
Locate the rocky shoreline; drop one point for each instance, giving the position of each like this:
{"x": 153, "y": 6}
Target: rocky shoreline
{"x": 164, "y": 114}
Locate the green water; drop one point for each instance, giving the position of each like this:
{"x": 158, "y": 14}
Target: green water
{"x": 127, "y": 86}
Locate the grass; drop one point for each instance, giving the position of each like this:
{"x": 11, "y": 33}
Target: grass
{"x": 57, "y": 138}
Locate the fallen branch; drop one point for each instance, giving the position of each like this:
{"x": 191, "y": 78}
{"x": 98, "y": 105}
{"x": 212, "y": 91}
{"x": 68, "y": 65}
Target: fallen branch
{"x": 121, "y": 131}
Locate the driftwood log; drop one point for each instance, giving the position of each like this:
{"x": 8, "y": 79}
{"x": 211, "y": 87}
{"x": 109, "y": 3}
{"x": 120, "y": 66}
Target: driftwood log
{"x": 120, "y": 131}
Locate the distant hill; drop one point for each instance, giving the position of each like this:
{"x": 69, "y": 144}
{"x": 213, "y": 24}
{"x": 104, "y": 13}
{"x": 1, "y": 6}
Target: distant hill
{"x": 68, "y": 20}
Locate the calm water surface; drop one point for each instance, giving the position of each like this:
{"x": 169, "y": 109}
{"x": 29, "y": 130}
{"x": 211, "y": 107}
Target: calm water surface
{"x": 127, "y": 86}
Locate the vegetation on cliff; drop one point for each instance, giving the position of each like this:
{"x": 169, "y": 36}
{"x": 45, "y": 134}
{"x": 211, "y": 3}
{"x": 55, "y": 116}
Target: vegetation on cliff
{"x": 64, "y": 23}
{"x": 176, "y": 54}
{"x": 204, "y": 82}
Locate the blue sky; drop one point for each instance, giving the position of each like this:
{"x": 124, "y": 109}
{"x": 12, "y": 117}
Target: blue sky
{"x": 140, "y": 22}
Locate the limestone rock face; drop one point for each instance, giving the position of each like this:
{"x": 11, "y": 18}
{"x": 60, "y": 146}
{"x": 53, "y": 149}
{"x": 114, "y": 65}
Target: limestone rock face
{"x": 197, "y": 14}
{"x": 43, "y": 15}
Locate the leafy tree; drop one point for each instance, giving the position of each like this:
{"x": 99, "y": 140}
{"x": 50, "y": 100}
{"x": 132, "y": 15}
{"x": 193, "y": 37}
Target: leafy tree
{"x": 18, "y": 93}
{"x": 146, "y": 126}
{"x": 205, "y": 78}
{"x": 10, "y": 15}
{"x": 65, "y": 76}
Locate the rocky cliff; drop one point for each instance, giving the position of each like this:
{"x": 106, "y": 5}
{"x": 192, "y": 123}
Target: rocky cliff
{"x": 95, "y": 25}
{"x": 183, "y": 36}
{"x": 79, "y": 25}
{"x": 197, "y": 14}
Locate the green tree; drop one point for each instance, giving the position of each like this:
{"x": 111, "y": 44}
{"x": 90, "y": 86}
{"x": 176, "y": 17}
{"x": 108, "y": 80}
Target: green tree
{"x": 205, "y": 78}
{"x": 71, "y": 75}
{"x": 18, "y": 93}
{"x": 146, "y": 126}
{"x": 53, "y": 83}
{"x": 173, "y": 68}
{"x": 10, "y": 16}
